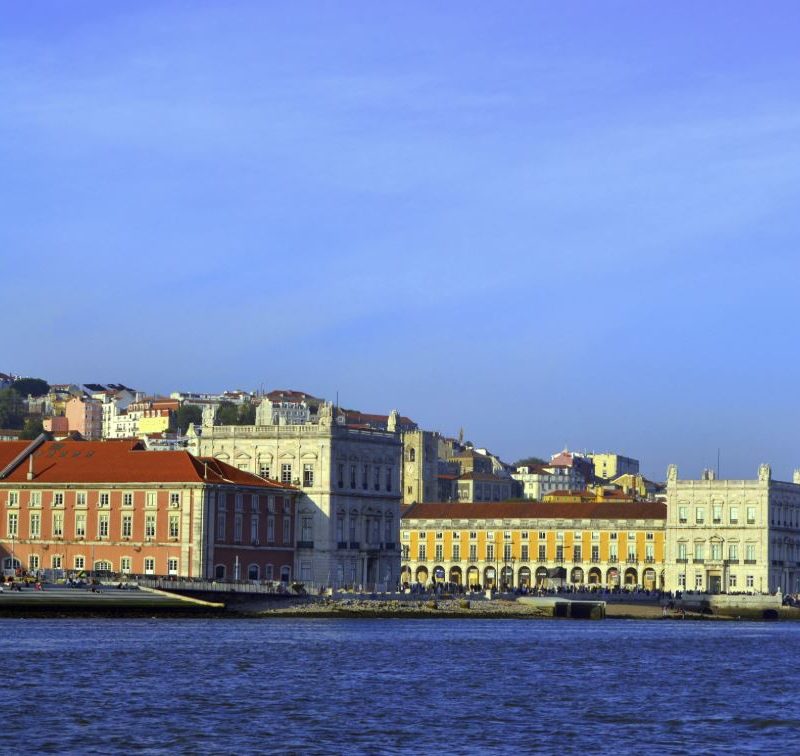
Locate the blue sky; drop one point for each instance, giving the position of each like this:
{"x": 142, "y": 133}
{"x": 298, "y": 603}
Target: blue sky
{"x": 549, "y": 223}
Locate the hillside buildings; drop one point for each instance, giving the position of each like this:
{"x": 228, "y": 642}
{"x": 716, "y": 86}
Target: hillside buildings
{"x": 111, "y": 506}
{"x": 608, "y": 466}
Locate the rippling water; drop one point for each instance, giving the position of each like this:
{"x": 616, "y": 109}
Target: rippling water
{"x": 346, "y": 686}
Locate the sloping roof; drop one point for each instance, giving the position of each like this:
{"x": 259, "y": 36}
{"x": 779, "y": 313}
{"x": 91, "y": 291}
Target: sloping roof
{"x": 599, "y": 510}
{"x": 124, "y": 461}
{"x": 484, "y": 476}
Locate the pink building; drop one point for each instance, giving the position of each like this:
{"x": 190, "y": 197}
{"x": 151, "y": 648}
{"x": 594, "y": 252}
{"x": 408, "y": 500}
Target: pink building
{"x": 85, "y": 416}
{"x": 58, "y": 424}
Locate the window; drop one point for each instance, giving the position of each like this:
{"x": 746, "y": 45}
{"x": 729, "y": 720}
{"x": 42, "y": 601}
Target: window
{"x": 149, "y": 566}
{"x": 286, "y": 472}
{"x": 352, "y": 476}
{"x": 542, "y": 552}
{"x": 506, "y": 535}
{"x": 80, "y": 524}
{"x": 750, "y": 553}
{"x": 456, "y": 552}
{"x": 308, "y": 475}
{"x": 733, "y": 552}
{"x": 172, "y": 566}
{"x": 489, "y": 552}
{"x": 731, "y": 581}
{"x": 716, "y": 513}
{"x": 700, "y": 515}
{"x": 127, "y": 499}
{"x": 524, "y": 552}
{"x": 13, "y": 498}
{"x": 421, "y": 552}
{"x": 150, "y": 526}
{"x": 595, "y": 553}
{"x": 174, "y": 498}
{"x": 576, "y": 554}
{"x": 79, "y": 562}
{"x": 239, "y": 503}
{"x": 473, "y": 535}
{"x": 151, "y": 499}
{"x": 682, "y": 580}
{"x": 33, "y": 562}
{"x": 559, "y": 535}
{"x": 559, "y": 552}
{"x": 254, "y": 503}
{"x": 490, "y": 536}
{"x": 439, "y": 552}
{"x": 698, "y": 581}
{"x": 58, "y": 499}
{"x": 102, "y": 525}
{"x": 174, "y": 526}
{"x": 263, "y": 470}
{"x": 287, "y": 530}
{"x": 439, "y": 535}
{"x": 376, "y": 482}
{"x": 751, "y": 515}
{"x": 542, "y": 535}
{"x": 388, "y": 478}
{"x": 340, "y": 475}
{"x": 699, "y": 551}
{"x": 649, "y": 537}
{"x": 221, "y": 518}
{"x": 35, "y": 499}
{"x": 473, "y": 552}
{"x": 35, "y": 525}
{"x": 58, "y": 524}
{"x": 683, "y": 516}
{"x": 365, "y": 477}
{"x": 104, "y": 499}
{"x": 306, "y": 528}
{"x": 55, "y": 562}
{"x": 595, "y": 535}
{"x": 389, "y": 530}
{"x": 80, "y": 499}
{"x": 125, "y": 564}
{"x": 682, "y": 552}
{"x": 237, "y": 528}
{"x": 127, "y": 525}
{"x": 254, "y": 529}
{"x": 270, "y": 529}
{"x": 613, "y": 554}
{"x": 733, "y": 515}
{"x": 716, "y": 550}
{"x": 749, "y": 582}
{"x": 524, "y": 535}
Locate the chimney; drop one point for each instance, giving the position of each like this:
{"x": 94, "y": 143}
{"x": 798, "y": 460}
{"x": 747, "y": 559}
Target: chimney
{"x": 30, "y": 475}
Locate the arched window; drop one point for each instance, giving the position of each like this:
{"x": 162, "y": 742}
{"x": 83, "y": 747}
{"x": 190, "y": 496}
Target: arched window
{"x": 285, "y": 574}
{"x": 219, "y": 572}
{"x": 412, "y": 455}
{"x": 252, "y": 572}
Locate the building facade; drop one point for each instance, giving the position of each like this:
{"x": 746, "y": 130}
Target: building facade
{"x": 349, "y": 479}
{"x": 113, "y": 507}
{"x": 538, "y": 480}
{"x": 420, "y": 466}
{"x": 608, "y": 466}
{"x": 733, "y": 535}
{"x": 524, "y": 544}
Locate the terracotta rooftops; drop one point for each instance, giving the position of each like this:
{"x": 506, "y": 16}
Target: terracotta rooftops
{"x": 510, "y": 510}
{"x": 484, "y": 476}
{"x": 126, "y": 461}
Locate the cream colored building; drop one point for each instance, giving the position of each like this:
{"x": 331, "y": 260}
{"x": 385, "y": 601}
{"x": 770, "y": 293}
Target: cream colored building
{"x": 420, "y": 466}
{"x": 608, "y": 466}
{"x": 348, "y": 513}
{"x": 733, "y": 535}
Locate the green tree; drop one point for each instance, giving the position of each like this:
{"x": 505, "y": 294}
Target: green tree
{"x": 247, "y": 414}
{"x": 12, "y": 413}
{"x": 32, "y": 428}
{"x": 32, "y": 386}
{"x": 227, "y": 414}
{"x": 186, "y": 414}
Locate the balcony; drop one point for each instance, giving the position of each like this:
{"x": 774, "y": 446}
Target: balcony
{"x": 698, "y": 561}
{"x": 612, "y": 560}
{"x": 649, "y": 560}
{"x": 683, "y": 560}
{"x": 305, "y": 544}
{"x": 749, "y": 561}
{"x": 631, "y": 560}
{"x": 595, "y": 560}
{"x": 731, "y": 561}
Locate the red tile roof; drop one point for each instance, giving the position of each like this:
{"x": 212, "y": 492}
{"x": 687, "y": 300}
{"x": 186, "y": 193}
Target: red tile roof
{"x": 123, "y": 461}
{"x": 601, "y": 510}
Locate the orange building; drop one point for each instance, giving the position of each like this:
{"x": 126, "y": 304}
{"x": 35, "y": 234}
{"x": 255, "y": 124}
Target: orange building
{"x": 112, "y": 506}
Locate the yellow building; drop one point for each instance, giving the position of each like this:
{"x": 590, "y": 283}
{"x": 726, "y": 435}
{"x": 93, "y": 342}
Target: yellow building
{"x": 156, "y": 424}
{"x": 515, "y": 544}
{"x": 610, "y": 466}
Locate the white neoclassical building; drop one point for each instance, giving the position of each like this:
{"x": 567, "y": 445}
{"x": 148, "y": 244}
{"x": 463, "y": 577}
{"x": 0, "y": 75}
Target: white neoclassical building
{"x": 348, "y": 510}
{"x": 733, "y": 535}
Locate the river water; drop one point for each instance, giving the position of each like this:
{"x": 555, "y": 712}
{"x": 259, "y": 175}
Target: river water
{"x": 398, "y": 686}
